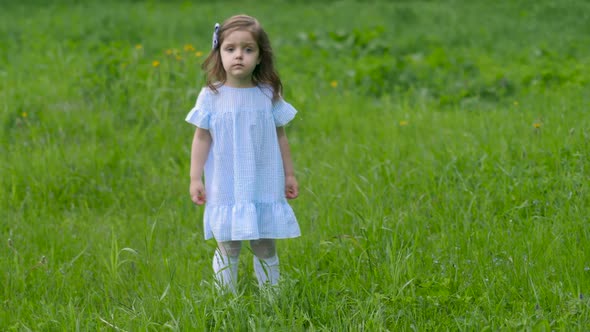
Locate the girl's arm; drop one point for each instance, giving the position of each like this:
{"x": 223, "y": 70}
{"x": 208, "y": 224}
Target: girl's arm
{"x": 199, "y": 153}
{"x": 291, "y": 186}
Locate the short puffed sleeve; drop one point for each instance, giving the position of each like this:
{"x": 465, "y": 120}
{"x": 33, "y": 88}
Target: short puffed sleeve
{"x": 201, "y": 113}
{"x": 283, "y": 112}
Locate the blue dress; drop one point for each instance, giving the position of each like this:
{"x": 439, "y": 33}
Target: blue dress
{"x": 244, "y": 175}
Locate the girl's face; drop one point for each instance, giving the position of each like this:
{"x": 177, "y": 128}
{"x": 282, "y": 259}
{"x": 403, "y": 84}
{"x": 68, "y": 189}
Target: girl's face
{"x": 240, "y": 56}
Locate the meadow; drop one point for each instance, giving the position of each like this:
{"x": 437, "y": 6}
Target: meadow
{"x": 442, "y": 150}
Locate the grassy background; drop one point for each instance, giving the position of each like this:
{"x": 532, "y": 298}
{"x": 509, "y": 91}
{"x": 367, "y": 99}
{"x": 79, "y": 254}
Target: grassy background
{"x": 441, "y": 149}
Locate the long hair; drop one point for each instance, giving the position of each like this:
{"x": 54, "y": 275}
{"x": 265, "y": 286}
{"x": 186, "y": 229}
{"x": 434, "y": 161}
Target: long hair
{"x": 264, "y": 73}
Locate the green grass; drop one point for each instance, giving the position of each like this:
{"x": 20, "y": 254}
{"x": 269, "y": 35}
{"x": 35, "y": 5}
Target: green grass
{"x": 444, "y": 179}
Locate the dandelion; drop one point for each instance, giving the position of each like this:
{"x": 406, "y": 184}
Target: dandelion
{"x": 138, "y": 47}
{"x": 198, "y": 54}
{"x": 404, "y": 123}
{"x": 169, "y": 52}
{"x": 188, "y": 48}
{"x": 155, "y": 63}
{"x": 178, "y": 58}
{"x": 537, "y": 125}
{"x": 334, "y": 84}
{"x": 24, "y": 114}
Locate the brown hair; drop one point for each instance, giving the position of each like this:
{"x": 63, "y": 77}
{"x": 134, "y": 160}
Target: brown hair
{"x": 264, "y": 73}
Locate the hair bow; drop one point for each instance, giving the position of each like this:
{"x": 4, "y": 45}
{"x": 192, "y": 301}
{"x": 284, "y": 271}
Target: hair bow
{"x": 215, "y": 36}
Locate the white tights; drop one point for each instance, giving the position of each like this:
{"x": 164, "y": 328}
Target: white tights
{"x": 266, "y": 262}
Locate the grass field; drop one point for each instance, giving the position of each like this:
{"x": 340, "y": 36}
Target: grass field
{"x": 442, "y": 150}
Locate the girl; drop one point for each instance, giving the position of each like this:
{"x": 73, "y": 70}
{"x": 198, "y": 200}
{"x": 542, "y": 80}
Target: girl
{"x": 241, "y": 146}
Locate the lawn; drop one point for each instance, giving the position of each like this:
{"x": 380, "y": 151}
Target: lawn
{"x": 442, "y": 150}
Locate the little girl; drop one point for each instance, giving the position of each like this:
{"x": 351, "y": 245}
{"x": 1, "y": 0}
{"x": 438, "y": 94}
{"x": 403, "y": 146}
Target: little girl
{"x": 241, "y": 145}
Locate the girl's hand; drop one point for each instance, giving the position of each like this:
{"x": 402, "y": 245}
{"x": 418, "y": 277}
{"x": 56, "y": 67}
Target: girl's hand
{"x": 291, "y": 187}
{"x": 197, "y": 191}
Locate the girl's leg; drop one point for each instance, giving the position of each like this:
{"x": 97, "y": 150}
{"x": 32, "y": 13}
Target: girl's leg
{"x": 225, "y": 264}
{"x": 266, "y": 261}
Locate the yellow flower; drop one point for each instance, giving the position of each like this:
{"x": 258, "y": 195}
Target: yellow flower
{"x": 334, "y": 84}
{"x": 24, "y": 114}
{"x": 198, "y": 54}
{"x": 537, "y": 125}
{"x": 404, "y": 123}
{"x": 138, "y": 47}
{"x": 188, "y": 48}
{"x": 178, "y": 58}
{"x": 168, "y": 52}
{"x": 155, "y": 63}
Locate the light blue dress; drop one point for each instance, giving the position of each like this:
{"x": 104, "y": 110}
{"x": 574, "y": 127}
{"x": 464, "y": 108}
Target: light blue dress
{"x": 244, "y": 175}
